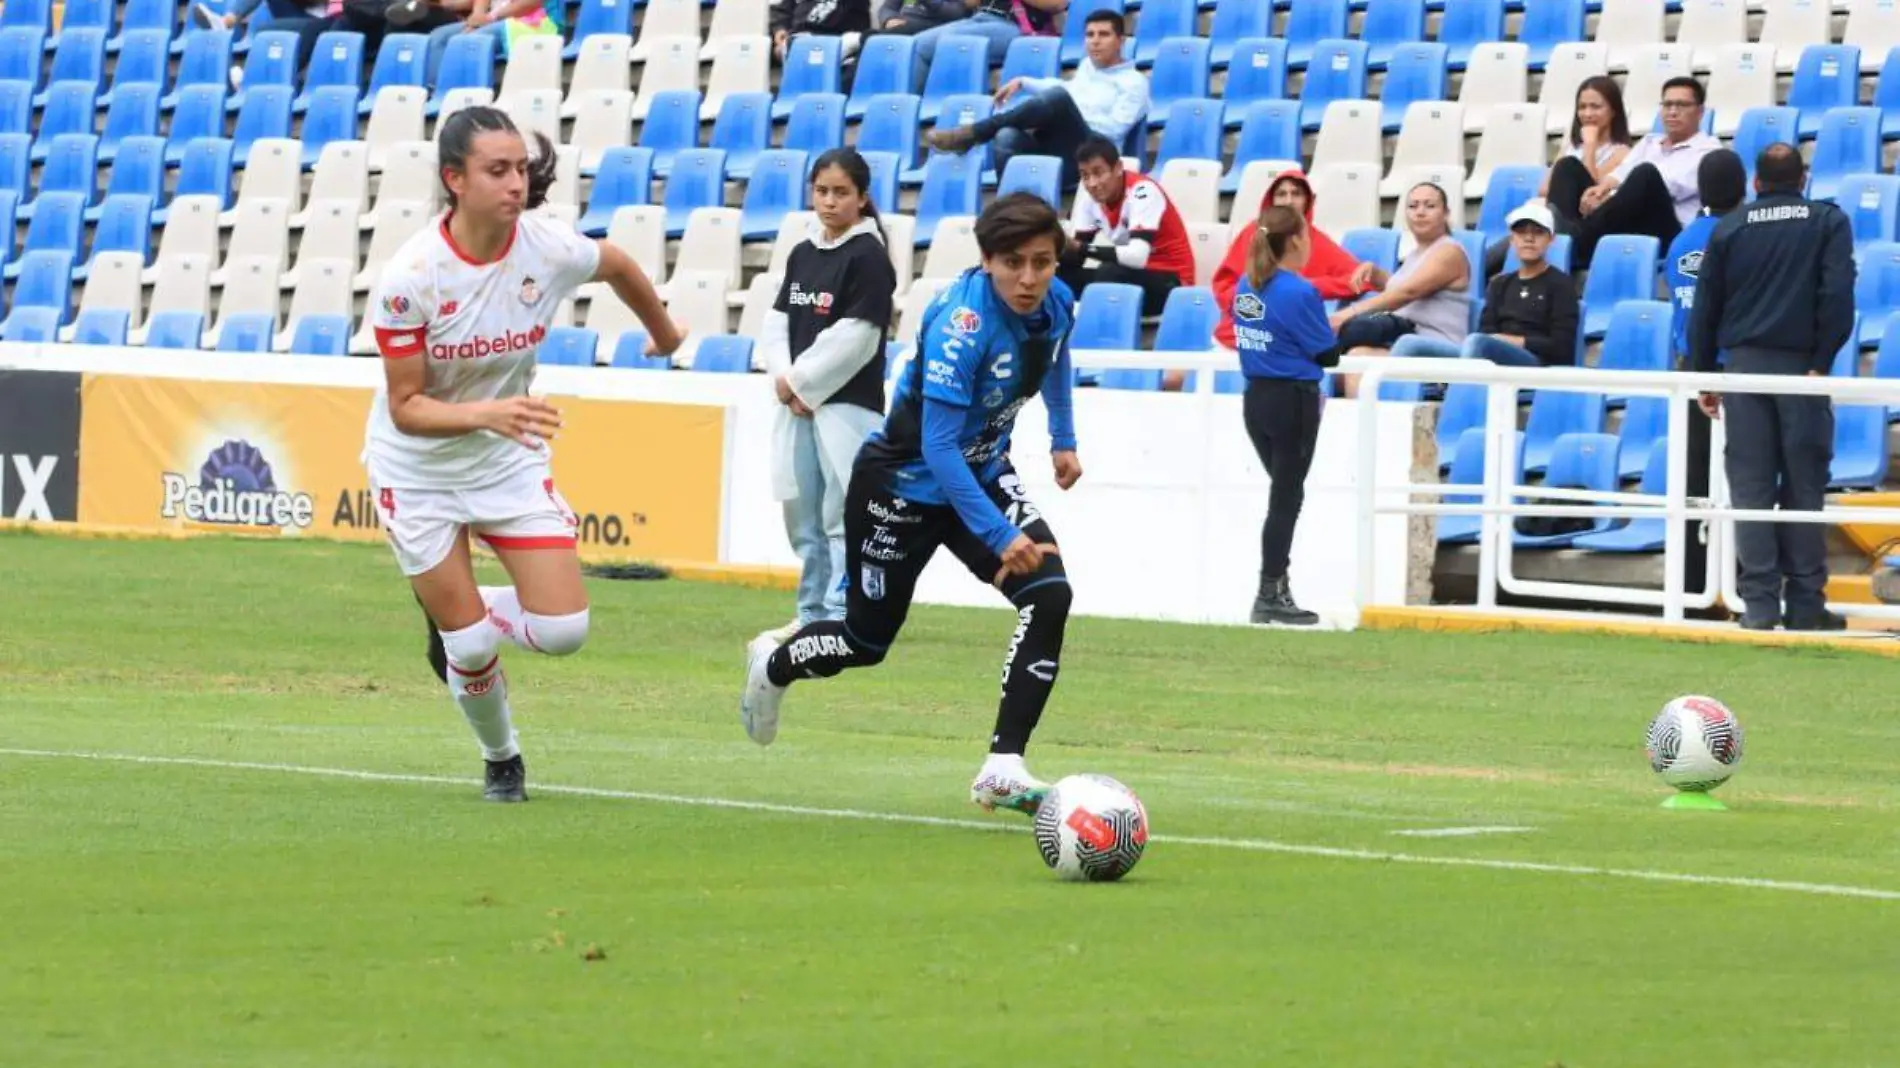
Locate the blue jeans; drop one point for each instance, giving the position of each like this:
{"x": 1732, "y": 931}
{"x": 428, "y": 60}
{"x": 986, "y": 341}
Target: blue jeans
{"x": 1475, "y": 347}
{"x": 995, "y": 29}
{"x": 440, "y": 37}
{"x": 1041, "y": 123}
{"x": 814, "y": 520}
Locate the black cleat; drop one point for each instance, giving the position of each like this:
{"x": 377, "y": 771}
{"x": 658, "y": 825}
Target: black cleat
{"x": 1274, "y": 607}
{"x": 1826, "y": 621}
{"x": 405, "y": 13}
{"x": 438, "y": 656}
{"x": 505, "y": 780}
{"x": 1753, "y": 621}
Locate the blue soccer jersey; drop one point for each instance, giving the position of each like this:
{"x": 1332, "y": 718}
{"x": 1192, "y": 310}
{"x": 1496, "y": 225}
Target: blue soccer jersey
{"x": 978, "y": 362}
{"x": 1681, "y": 269}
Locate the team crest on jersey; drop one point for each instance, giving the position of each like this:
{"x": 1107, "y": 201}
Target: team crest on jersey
{"x": 995, "y": 398}
{"x": 872, "y": 579}
{"x": 448, "y": 307}
{"x": 396, "y": 304}
{"x": 1248, "y": 306}
{"x": 529, "y": 291}
{"x": 966, "y": 321}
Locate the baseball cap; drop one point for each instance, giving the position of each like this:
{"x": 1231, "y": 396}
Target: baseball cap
{"x": 1532, "y": 211}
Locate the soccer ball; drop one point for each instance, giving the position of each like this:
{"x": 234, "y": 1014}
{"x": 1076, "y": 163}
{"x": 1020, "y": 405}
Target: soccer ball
{"x": 1695, "y": 743}
{"x": 1091, "y": 828}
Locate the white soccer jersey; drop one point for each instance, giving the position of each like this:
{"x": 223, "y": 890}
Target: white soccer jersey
{"x": 478, "y": 326}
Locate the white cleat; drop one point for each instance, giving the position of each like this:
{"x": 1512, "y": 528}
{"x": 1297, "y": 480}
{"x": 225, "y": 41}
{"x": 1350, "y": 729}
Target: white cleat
{"x": 1016, "y": 791}
{"x": 758, "y": 706}
{"x": 781, "y": 635}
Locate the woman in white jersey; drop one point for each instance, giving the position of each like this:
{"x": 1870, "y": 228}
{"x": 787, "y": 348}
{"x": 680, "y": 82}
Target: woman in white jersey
{"x": 455, "y": 443}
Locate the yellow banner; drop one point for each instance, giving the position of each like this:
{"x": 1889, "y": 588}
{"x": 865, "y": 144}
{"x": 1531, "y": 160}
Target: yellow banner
{"x": 284, "y": 461}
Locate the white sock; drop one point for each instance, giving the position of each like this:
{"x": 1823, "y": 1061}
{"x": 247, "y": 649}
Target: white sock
{"x": 504, "y": 611}
{"x": 480, "y": 689}
{"x": 1005, "y": 765}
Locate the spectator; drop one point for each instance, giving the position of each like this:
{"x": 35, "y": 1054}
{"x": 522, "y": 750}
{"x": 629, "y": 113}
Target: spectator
{"x": 1429, "y": 294}
{"x": 997, "y": 21}
{"x": 1530, "y": 316}
{"x": 1107, "y": 96}
{"x": 373, "y": 18}
{"x": 823, "y": 18}
{"x": 504, "y": 20}
{"x": 305, "y": 19}
{"x": 1653, "y": 191}
{"x": 1124, "y": 220}
{"x": 1722, "y": 184}
{"x": 915, "y": 16}
{"x": 1331, "y": 269}
{"x": 1599, "y": 131}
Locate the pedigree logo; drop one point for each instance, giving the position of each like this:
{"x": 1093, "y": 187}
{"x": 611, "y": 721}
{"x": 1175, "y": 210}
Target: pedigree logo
{"x": 482, "y": 347}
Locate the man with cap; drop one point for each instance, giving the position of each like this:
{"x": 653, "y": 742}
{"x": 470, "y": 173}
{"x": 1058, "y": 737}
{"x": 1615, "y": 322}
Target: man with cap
{"x": 1530, "y": 314}
{"x": 1775, "y": 293}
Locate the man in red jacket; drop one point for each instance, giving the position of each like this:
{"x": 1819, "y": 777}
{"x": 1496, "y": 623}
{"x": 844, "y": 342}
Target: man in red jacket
{"x": 1331, "y": 269}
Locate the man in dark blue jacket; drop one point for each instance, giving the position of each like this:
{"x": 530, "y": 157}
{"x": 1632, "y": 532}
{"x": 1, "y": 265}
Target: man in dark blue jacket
{"x": 1776, "y": 295}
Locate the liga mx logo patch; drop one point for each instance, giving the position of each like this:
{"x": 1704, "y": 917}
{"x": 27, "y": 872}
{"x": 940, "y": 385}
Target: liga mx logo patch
{"x": 965, "y": 321}
{"x": 871, "y": 579}
{"x": 396, "y": 304}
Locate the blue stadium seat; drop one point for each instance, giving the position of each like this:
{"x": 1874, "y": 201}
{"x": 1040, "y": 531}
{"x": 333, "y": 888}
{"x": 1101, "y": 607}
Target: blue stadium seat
{"x": 146, "y": 60}
{"x": 1887, "y": 95}
{"x": 1073, "y": 29}
{"x": 1416, "y": 72}
{"x": 1160, "y": 21}
{"x": 248, "y": 332}
{"x": 1644, "y": 534}
{"x": 812, "y": 65}
{"x": 1193, "y": 132}
{"x": 891, "y": 125}
{"x": 1181, "y": 73}
{"x": 80, "y": 57}
{"x": 72, "y": 166}
{"x": 102, "y": 326}
{"x": 1464, "y": 464}
{"x": 1624, "y": 268}
{"x": 1188, "y": 320}
{"x": 1373, "y": 245}
{"x": 1467, "y": 24}
{"x": 952, "y": 186}
{"x": 1507, "y": 190}
{"x": 134, "y": 113}
{"x": 321, "y": 335}
{"x": 402, "y": 59}
{"x": 625, "y": 179}
{"x": 885, "y": 167}
{"x": 817, "y": 123}
{"x": 69, "y": 110}
{"x": 207, "y": 61}
{"x": 724, "y": 354}
{"x": 16, "y": 162}
{"x": 1474, "y": 245}
{"x": 1390, "y": 25}
{"x": 468, "y": 63}
{"x": 1872, "y": 204}
{"x": 87, "y": 14}
{"x": 200, "y": 113}
{"x": 1759, "y": 128}
{"x": 1555, "y": 413}
{"x": 148, "y": 15}
{"x": 1258, "y": 73}
{"x": 742, "y": 130}
{"x": 1860, "y": 447}
{"x": 698, "y": 181}
{"x": 1404, "y": 392}
{"x": 960, "y": 111}
{"x": 1026, "y": 57}
{"x": 266, "y": 113}
{"x": 1584, "y": 461}
{"x": 1233, "y": 382}
{"x": 1462, "y": 409}
{"x": 1638, "y": 337}
{"x": 1849, "y": 143}
{"x": 884, "y": 67}
{"x": 139, "y": 168}
{"x": 1308, "y": 23}
{"x": 671, "y": 127}
{"x": 1847, "y": 358}
{"x": 34, "y": 14}
{"x": 1645, "y": 425}
{"x": 330, "y": 116}
{"x": 1827, "y": 77}
{"x": 1041, "y": 175}
{"x": 125, "y": 225}
{"x": 1877, "y": 289}
{"x": 1338, "y": 72}
{"x": 1130, "y": 378}
{"x": 568, "y": 346}
{"x": 205, "y": 170}
{"x": 337, "y": 61}
{"x": 959, "y": 68}
{"x": 1234, "y": 22}
{"x": 271, "y": 61}
{"x": 1549, "y": 23}
{"x": 20, "y": 48}
{"x": 631, "y": 352}
{"x": 16, "y": 107}
{"x": 1271, "y": 131}
{"x": 37, "y": 326}
{"x": 175, "y": 330}
{"x": 1557, "y": 256}
{"x": 599, "y": 16}
{"x": 778, "y": 188}
{"x": 1107, "y": 317}
{"x": 46, "y": 281}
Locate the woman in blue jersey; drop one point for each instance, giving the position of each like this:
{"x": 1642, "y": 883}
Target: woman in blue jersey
{"x": 1284, "y": 340}
{"x": 940, "y": 475}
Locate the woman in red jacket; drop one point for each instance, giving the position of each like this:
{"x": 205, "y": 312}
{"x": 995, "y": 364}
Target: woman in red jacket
{"x": 1330, "y": 268}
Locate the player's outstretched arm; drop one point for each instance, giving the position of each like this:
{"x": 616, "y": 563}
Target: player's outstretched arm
{"x": 635, "y": 290}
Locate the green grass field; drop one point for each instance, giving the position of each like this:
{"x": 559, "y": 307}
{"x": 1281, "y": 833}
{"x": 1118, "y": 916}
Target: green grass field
{"x": 229, "y": 905}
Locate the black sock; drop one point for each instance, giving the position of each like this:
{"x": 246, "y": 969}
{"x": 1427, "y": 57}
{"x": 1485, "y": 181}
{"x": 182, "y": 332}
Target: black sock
{"x": 818, "y": 651}
{"x": 1029, "y": 669}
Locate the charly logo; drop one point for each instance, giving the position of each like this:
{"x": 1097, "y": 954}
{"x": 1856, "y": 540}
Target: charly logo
{"x": 235, "y": 487}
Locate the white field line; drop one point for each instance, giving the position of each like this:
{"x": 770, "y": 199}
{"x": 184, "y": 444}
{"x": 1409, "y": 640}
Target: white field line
{"x": 1257, "y": 845}
{"x": 1460, "y": 832}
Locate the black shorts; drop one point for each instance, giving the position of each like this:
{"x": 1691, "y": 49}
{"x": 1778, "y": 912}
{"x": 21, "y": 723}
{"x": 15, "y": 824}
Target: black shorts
{"x": 889, "y": 540}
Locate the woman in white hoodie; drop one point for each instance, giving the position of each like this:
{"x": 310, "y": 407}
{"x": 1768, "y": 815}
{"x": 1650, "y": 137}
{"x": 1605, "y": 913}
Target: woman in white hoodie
{"x": 824, "y": 348}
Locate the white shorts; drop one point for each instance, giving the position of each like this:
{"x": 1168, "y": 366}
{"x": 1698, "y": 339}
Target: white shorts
{"x": 523, "y": 512}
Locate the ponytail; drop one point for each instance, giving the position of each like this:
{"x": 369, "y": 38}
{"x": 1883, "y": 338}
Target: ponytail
{"x": 1277, "y": 228}
{"x": 542, "y": 163}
